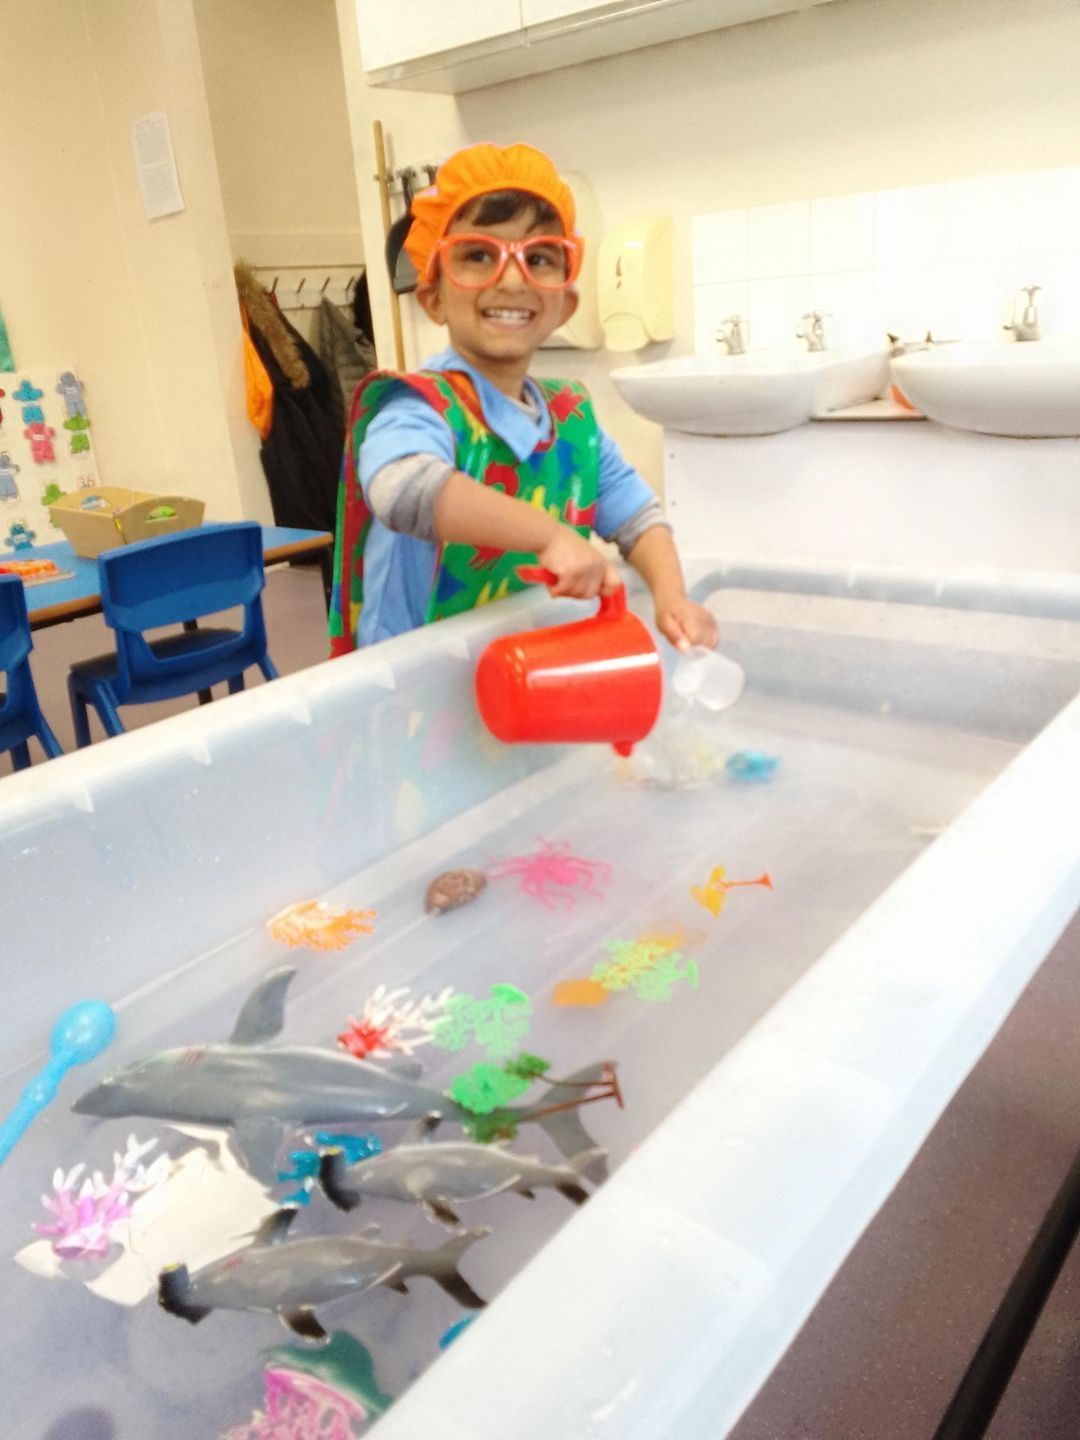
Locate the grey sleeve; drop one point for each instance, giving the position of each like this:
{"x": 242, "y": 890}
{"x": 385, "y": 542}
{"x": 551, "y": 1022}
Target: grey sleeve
{"x": 631, "y": 531}
{"x": 402, "y": 494}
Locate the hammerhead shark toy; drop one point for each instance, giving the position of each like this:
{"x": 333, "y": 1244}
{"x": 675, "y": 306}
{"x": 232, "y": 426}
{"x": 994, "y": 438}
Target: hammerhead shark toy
{"x": 264, "y": 1092}
{"x": 434, "y": 1175}
{"x": 290, "y": 1277}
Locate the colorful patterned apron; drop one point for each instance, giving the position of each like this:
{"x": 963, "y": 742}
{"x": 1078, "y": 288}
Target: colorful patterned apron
{"x": 560, "y": 476}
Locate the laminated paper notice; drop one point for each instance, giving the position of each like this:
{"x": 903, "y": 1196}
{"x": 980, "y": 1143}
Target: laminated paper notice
{"x": 155, "y": 165}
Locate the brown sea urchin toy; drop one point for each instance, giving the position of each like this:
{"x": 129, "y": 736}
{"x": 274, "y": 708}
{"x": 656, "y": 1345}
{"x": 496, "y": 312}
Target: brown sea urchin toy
{"x": 454, "y": 888}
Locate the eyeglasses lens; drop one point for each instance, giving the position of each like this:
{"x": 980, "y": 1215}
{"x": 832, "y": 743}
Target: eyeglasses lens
{"x": 546, "y": 262}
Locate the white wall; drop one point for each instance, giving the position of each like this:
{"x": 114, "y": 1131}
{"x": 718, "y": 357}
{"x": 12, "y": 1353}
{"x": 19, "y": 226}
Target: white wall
{"x": 145, "y": 309}
{"x": 856, "y": 95}
{"x": 418, "y": 127}
{"x": 947, "y": 258}
{"x": 276, "y": 94}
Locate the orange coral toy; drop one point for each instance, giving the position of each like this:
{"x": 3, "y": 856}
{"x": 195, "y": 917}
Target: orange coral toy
{"x": 318, "y": 926}
{"x": 579, "y": 992}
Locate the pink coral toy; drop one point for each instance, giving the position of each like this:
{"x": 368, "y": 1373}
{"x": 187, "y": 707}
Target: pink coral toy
{"x": 301, "y": 1407}
{"x": 84, "y": 1224}
{"x": 553, "y": 873}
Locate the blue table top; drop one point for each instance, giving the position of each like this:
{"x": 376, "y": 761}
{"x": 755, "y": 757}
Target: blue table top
{"x": 54, "y": 600}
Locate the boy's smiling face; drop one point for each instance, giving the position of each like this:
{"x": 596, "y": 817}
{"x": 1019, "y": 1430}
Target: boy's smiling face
{"x": 499, "y": 328}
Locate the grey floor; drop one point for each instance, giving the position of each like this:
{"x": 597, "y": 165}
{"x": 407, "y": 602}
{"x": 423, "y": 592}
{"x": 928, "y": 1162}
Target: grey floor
{"x": 881, "y": 1354}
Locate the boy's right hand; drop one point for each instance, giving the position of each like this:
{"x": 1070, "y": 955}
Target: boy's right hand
{"x": 583, "y": 571}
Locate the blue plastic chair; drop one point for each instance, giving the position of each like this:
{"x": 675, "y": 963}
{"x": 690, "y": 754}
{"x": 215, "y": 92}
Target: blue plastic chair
{"x": 173, "y": 581}
{"x": 20, "y": 713}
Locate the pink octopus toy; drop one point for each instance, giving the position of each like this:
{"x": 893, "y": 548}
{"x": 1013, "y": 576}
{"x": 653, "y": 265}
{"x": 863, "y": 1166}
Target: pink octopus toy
{"x": 554, "y": 874}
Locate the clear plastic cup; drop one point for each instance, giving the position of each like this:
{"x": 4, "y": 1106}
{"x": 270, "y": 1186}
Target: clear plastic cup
{"x": 707, "y": 678}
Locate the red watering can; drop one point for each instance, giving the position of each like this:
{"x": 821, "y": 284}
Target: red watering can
{"x": 591, "y": 680}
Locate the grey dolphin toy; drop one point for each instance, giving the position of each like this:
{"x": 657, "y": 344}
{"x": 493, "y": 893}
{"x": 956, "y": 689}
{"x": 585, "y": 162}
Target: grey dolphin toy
{"x": 265, "y": 1092}
{"x": 289, "y": 1278}
{"x": 434, "y": 1175}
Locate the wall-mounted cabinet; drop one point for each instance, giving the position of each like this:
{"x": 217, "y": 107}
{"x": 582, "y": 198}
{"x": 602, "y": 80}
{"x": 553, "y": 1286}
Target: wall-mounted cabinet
{"x": 404, "y": 32}
{"x": 539, "y": 12}
{"x": 433, "y": 45}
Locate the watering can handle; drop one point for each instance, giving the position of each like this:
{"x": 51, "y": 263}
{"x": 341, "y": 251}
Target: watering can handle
{"x": 611, "y": 606}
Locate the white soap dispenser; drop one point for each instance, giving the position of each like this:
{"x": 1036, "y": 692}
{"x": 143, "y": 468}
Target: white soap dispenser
{"x": 582, "y": 331}
{"x": 635, "y": 283}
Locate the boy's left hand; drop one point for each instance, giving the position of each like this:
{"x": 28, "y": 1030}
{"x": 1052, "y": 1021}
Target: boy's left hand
{"x": 685, "y": 623}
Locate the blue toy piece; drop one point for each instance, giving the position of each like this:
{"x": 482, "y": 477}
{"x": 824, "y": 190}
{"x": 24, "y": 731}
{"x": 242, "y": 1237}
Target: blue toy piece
{"x": 171, "y": 581}
{"x": 20, "y": 713}
{"x": 8, "y": 470}
{"x": 455, "y": 1330}
{"x": 19, "y": 537}
{"x": 305, "y": 1163}
{"x": 70, "y": 388}
{"x": 81, "y": 1034}
{"x": 353, "y": 1147}
{"x": 751, "y": 765}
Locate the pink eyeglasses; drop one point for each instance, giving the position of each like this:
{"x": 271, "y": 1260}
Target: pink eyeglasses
{"x": 473, "y": 262}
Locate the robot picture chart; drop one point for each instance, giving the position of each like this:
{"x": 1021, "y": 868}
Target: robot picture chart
{"x": 46, "y": 450}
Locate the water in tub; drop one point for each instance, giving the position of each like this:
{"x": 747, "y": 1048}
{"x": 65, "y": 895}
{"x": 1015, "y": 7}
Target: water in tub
{"x": 644, "y": 913}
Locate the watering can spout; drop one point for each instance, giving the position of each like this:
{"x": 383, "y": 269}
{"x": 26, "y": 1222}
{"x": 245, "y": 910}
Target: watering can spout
{"x": 594, "y": 680}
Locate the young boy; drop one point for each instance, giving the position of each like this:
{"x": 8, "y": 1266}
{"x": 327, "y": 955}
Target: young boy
{"x": 469, "y": 468}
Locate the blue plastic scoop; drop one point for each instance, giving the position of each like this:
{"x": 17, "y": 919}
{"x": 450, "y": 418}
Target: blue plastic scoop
{"x": 81, "y": 1034}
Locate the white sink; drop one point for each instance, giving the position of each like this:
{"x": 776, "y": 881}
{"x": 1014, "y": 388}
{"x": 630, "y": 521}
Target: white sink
{"x": 754, "y": 394}
{"x": 1030, "y": 389}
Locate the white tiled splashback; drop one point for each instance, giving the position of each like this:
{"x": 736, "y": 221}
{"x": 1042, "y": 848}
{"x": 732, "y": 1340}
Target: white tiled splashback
{"x": 948, "y": 258}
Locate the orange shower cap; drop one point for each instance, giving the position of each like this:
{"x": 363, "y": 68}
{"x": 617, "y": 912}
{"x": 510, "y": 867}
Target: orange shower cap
{"x": 480, "y": 170}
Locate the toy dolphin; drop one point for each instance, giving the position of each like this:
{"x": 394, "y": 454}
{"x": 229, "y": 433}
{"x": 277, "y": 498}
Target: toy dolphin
{"x": 264, "y": 1092}
{"x": 433, "y": 1175}
{"x": 290, "y": 1277}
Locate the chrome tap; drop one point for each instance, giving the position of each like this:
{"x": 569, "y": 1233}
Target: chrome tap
{"x": 1027, "y": 327}
{"x": 732, "y": 336}
{"x": 813, "y": 331}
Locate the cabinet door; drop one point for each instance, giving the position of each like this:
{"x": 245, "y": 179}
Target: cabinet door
{"x": 394, "y": 31}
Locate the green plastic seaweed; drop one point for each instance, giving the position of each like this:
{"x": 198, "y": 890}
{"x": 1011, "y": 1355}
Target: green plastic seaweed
{"x": 483, "y": 1088}
{"x": 528, "y": 1067}
{"x": 497, "y": 1023}
{"x": 486, "y": 1129}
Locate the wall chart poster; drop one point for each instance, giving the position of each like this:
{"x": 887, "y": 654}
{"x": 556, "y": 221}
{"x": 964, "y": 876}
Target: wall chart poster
{"x": 46, "y": 451}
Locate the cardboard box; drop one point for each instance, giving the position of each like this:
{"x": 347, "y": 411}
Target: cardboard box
{"x": 105, "y": 516}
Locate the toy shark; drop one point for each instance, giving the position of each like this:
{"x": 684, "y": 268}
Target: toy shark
{"x": 264, "y": 1092}
{"x": 434, "y": 1175}
{"x": 289, "y": 1278}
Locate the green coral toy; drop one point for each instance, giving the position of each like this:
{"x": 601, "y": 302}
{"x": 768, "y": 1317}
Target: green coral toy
{"x": 647, "y": 967}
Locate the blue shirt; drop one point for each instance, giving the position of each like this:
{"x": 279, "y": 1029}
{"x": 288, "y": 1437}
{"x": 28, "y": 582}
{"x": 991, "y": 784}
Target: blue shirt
{"x": 399, "y": 569}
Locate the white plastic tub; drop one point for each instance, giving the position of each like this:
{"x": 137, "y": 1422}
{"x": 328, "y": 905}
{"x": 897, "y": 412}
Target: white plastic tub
{"x": 769, "y": 1111}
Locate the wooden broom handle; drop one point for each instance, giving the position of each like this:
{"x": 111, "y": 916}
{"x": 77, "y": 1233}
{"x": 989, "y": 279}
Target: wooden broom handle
{"x": 384, "y": 200}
